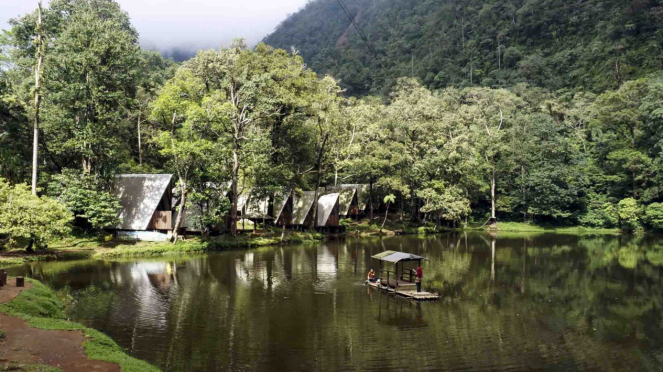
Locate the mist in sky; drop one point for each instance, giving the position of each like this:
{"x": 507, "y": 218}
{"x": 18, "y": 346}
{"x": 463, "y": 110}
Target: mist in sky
{"x": 184, "y": 26}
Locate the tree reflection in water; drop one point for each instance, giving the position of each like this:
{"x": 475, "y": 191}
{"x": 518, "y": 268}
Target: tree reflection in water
{"x": 510, "y": 302}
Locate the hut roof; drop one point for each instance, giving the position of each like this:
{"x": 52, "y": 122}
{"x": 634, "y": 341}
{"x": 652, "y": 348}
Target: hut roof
{"x": 302, "y": 202}
{"x": 139, "y": 196}
{"x": 345, "y": 199}
{"x": 326, "y": 205}
{"x": 363, "y": 193}
{"x": 394, "y": 257}
{"x": 280, "y": 200}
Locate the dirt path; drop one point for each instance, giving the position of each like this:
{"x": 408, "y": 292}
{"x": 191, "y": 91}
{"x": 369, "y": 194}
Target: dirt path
{"x": 26, "y": 345}
{"x": 10, "y": 291}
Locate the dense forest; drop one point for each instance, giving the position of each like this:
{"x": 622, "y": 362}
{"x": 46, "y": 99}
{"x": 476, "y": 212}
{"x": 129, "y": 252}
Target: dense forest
{"x": 591, "y": 45}
{"x": 482, "y": 112}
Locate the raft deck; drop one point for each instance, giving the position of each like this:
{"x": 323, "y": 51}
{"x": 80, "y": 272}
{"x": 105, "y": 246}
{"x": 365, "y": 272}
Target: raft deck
{"x": 407, "y": 292}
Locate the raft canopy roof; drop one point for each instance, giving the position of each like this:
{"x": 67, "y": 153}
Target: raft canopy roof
{"x": 395, "y": 257}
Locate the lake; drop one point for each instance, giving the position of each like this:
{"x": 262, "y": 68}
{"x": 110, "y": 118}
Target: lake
{"x": 510, "y": 302}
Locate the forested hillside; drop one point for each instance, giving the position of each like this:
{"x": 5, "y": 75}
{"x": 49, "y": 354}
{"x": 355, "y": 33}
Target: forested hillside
{"x": 499, "y": 141}
{"x": 591, "y": 45}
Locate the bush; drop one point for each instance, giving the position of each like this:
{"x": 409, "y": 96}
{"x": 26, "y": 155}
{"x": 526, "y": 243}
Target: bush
{"x": 23, "y": 215}
{"x": 654, "y": 216}
{"x": 600, "y": 213}
{"x": 85, "y": 196}
{"x": 629, "y": 214}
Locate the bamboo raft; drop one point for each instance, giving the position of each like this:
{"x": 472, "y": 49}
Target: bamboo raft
{"x": 406, "y": 292}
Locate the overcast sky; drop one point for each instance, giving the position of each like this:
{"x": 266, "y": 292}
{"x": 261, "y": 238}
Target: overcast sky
{"x": 189, "y": 24}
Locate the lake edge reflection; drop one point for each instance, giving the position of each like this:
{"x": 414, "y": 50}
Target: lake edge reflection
{"x": 545, "y": 302}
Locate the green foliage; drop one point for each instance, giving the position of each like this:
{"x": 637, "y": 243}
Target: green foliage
{"x": 85, "y": 196}
{"x": 600, "y": 213}
{"x": 23, "y": 215}
{"x": 471, "y": 42}
{"x": 211, "y": 207}
{"x": 654, "y": 216}
{"x": 629, "y": 214}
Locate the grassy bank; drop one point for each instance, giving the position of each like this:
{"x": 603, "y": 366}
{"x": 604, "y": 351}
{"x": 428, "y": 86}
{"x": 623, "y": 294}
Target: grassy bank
{"x": 81, "y": 247}
{"x": 395, "y": 227}
{"x": 99, "y": 248}
{"x": 41, "y": 308}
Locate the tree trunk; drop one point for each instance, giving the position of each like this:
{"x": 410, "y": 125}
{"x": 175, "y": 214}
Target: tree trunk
{"x": 180, "y": 213}
{"x": 370, "y": 201}
{"x": 386, "y": 213}
{"x": 140, "y": 150}
{"x": 283, "y": 231}
{"x": 233, "y": 213}
{"x": 321, "y": 152}
{"x": 493, "y": 218}
{"x": 35, "y": 140}
{"x": 30, "y": 246}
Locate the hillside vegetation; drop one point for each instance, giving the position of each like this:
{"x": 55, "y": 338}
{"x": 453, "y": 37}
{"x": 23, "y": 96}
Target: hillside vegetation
{"x": 590, "y": 45}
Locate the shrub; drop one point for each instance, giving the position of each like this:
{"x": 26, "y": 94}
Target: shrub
{"x": 23, "y": 215}
{"x": 629, "y": 214}
{"x": 600, "y": 213}
{"x": 654, "y": 216}
{"x": 85, "y": 196}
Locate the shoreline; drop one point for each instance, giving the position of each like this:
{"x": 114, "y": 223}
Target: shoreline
{"x": 73, "y": 248}
{"x": 39, "y": 312}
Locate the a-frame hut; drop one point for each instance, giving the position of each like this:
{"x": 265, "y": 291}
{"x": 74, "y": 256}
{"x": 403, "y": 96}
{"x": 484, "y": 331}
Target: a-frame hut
{"x": 348, "y": 201}
{"x": 282, "y": 208}
{"x": 302, "y": 208}
{"x": 146, "y": 201}
{"x": 363, "y": 194}
{"x": 328, "y": 213}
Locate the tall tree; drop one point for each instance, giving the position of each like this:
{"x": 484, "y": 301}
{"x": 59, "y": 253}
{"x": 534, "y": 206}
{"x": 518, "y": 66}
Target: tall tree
{"x": 35, "y": 142}
{"x": 182, "y": 137}
{"x": 258, "y": 89}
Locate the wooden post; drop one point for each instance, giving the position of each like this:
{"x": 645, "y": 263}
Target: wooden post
{"x": 3, "y": 276}
{"x": 20, "y": 281}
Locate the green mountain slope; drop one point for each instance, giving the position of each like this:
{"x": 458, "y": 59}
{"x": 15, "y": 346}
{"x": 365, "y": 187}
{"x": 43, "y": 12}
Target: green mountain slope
{"x": 586, "y": 44}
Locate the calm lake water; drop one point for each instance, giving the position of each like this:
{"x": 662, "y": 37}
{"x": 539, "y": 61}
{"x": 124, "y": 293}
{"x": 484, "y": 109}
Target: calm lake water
{"x": 510, "y": 303}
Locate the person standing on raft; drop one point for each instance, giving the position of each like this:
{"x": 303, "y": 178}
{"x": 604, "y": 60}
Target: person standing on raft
{"x": 419, "y": 274}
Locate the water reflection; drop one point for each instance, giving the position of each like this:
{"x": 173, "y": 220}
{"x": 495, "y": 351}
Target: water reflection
{"x": 511, "y": 302}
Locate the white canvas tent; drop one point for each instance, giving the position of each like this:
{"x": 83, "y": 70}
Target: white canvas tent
{"x": 145, "y": 200}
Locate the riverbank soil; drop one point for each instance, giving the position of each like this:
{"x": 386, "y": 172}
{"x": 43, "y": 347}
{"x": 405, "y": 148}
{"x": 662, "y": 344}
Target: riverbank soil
{"x": 22, "y": 344}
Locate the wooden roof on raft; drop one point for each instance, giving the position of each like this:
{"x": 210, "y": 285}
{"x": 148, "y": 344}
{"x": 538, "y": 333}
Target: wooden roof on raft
{"x": 395, "y": 257}
{"x": 326, "y": 205}
{"x": 139, "y": 196}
